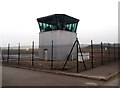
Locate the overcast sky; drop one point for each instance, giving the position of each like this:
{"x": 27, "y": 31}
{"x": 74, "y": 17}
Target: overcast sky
{"x": 98, "y": 19}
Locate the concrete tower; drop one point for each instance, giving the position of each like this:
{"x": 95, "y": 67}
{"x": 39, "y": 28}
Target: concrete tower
{"x": 61, "y": 29}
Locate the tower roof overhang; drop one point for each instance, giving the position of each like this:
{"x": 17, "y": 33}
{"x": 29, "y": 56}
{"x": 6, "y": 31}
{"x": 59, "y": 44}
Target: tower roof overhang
{"x": 62, "y": 18}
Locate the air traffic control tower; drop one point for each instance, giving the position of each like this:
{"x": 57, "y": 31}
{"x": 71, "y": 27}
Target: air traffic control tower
{"x": 57, "y": 35}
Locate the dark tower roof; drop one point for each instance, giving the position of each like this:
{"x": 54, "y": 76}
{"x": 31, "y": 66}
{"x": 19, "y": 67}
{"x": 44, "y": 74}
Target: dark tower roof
{"x": 58, "y": 22}
{"x": 53, "y": 19}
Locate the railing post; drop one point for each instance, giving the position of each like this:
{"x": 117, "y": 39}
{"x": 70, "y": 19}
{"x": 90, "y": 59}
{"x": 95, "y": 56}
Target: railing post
{"x": 77, "y": 55}
{"x": 52, "y": 56}
{"x": 92, "y": 53}
{"x": 33, "y": 54}
{"x": 8, "y": 53}
{"x": 101, "y": 53}
{"x": 19, "y": 53}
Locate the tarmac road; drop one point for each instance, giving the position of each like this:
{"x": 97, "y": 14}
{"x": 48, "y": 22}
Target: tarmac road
{"x": 22, "y": 77}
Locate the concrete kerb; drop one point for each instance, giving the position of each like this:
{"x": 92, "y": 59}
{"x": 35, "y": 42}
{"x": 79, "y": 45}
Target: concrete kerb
{"x": 109, "y": 77}
{"x": 68, "y": 74}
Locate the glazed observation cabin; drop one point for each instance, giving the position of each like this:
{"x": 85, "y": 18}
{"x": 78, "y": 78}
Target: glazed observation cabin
{"x": 58, "y": 22}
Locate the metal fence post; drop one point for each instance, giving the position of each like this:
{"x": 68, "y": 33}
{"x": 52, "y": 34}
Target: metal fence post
{"x": 77, "y": 55}
{"x": 2, "y": 57}
{"x": 92, "y": 53}
{"x": 33, "y": 54}
{"x": 52, "y": 56}
{"x": 19, "y": 53}
{"x": 118, "y": 52}
{"x": 101, "y": 53}
{"x": 82, "y": 55}
{"x": 2, "y": 53}
{"x": 8, "y": 53}
{"x": 109, "y": 52}
{"x": 114, "y": 53}
{"x": 69, "y": 55}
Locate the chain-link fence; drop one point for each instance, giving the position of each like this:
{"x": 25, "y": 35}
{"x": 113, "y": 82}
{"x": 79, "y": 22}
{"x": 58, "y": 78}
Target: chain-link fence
{"x": 69, "y": 58}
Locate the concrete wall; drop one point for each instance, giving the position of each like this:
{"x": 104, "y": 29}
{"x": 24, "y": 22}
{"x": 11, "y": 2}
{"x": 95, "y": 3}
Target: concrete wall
{"x": 62, "y": 44}
{"x": 59, "y": 37}
{"x": 60, "y": 52}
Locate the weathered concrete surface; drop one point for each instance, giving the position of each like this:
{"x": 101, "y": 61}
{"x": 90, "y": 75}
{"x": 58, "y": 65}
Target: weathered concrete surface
{"x": 24, "y": 77}
{"x": 104, "y": 72}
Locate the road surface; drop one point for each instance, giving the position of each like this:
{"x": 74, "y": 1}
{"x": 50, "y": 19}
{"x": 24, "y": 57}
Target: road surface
{"x": 22, "y": 77}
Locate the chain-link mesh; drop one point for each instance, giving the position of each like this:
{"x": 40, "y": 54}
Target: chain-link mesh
{"x": 96, "y": 56}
